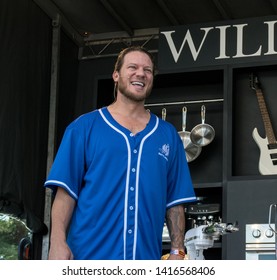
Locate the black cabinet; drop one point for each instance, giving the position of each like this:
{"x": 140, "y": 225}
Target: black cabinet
{"x": 193, "y": 89}
{"x": 247, "y": 194}
{"x": 246, "y": 116}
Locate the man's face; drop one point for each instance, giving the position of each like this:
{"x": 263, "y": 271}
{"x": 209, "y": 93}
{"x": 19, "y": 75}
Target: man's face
{"x": 135, "y": 78}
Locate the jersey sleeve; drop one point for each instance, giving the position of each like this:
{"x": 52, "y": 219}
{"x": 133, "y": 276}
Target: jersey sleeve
{"x": 69, "y": 165}
{"x": 180, "y": 187}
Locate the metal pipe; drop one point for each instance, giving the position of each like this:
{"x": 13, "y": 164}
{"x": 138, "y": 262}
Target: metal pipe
{"x": 275, "y": 226}
{"x": 56, "y": 31}
{"x": 184, "y": 102}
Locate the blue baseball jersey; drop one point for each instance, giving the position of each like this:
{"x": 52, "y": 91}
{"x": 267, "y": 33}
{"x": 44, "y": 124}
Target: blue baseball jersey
{"x": 122, "y": 183}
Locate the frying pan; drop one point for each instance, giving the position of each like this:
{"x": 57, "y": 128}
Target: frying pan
{"x": 192, "y": 150}
{"x": 202, "y": 134}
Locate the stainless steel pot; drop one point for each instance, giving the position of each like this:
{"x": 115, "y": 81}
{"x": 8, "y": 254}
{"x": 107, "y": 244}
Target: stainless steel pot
{"x": 202, "y": 134}
{"x": 192, "y": 150}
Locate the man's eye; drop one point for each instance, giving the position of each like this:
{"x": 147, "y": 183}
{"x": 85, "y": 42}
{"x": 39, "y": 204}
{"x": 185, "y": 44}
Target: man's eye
{"x": 149, "y": 71}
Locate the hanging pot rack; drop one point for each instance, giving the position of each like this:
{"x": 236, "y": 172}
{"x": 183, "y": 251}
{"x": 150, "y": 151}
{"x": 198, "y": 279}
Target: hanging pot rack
{"x": 184, "y": 102}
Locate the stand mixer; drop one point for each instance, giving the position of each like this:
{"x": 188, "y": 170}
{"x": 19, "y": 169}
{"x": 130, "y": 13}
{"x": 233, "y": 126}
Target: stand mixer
{"x": 202, "y": 237}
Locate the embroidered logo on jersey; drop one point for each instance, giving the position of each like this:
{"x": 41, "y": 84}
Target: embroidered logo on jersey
{"x": 164, "y": 151}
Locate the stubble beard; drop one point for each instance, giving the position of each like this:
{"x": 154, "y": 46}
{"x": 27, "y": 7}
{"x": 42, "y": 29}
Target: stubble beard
{"x": 133, "y": 97}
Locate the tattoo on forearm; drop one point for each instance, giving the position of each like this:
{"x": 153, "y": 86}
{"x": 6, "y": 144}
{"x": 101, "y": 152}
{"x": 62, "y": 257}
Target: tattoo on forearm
{"x": 175, "y": 220}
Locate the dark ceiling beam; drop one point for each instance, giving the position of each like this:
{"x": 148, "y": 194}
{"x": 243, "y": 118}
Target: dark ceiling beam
{"x": 167, "y": 12}
{"x": 96, "y": 39}
{"x": 274, "y": 5}
{"x": 52, "y": 11}
{"x": 117, "y": 17}
{"x": 225, "y": 15}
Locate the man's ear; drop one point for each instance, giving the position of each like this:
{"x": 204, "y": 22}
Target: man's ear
{"x": 115, "y": 76}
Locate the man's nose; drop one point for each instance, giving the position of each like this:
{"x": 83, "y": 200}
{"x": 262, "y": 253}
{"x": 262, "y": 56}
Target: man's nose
{"x": 140, "y": 72}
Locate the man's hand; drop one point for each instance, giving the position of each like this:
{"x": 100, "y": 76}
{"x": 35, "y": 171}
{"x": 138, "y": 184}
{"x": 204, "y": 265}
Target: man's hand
{"x": 60, "y": 251}
{"x": 175, "y": 257}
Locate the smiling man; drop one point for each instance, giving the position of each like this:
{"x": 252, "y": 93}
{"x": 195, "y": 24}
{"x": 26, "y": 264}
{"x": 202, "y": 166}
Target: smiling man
{"x": 120, "y": 171}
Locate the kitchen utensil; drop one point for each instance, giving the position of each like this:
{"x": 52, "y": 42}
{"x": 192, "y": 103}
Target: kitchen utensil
{"x": 164, "y": 114}
{"x": 192, "y": 150}
{"x": 202, "y": 134}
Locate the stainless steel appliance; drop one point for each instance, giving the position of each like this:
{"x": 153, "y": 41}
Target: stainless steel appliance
{"x": 201, "y": 214}
{"x": 260, "y": 242}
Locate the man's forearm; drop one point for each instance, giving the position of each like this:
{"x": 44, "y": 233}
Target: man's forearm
{"x": 61, "y": 214}
{"x": 175, "y": 219}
